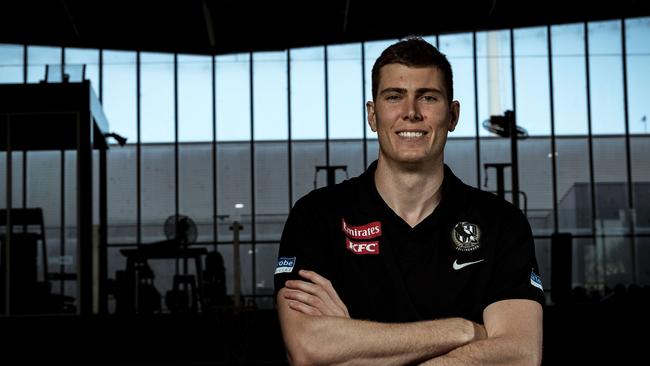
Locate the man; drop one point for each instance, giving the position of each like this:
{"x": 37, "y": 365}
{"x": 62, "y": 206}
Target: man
{"x": 405, "y": 264}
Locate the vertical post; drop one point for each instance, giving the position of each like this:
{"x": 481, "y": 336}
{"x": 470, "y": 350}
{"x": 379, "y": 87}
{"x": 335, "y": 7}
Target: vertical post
{"x": 514, "y": 156}
{"x": 514, "y": 169}
{"x": 213, "y": 82}
{"x": 84, "y": 209}
{"x": 236, "y": 227}
{"x": 629, "y": 211}
{"x": 331, "y": 176}
{"x": 251, "y": 80}
{"x": 477, "y": 138}
{"x": 289, "y": 139}
{"x": 7, "y": 248}
{"x": 327, "y": 107}
{"x": 501, "y": 192}
{"x": 103, "y": 234}
{"x": 590, "y": 144}
{"x": 549, "y": 46}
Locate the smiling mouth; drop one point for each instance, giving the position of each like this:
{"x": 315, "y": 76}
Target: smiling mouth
{"x": 411, "y": 134}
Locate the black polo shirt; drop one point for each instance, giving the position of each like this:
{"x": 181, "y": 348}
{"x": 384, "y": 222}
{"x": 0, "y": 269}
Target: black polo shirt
{"x": 473, "y": 250}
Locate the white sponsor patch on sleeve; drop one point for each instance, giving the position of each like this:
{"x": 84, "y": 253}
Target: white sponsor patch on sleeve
{"x": 536, "y": 280}
{"x": 285, "y": 264}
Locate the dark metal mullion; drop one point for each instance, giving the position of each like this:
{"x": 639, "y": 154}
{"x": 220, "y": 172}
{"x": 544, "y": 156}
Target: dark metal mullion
{"x": 628, "y": 155}
{"x": 25, "y": 151}
{"x": 215, "y": 227}
{"x": 84, "y": 219}
{"x": 549, "y": 45}
{"x": 103, "y": 209}
{"x": 176, "y": 177}
{"x": 62, "y": 242}
{"x": 9, "y": 183}
{"x": 289, "y": 139}
{"x": 590, "y": 142}
{"x": 62, "y": 223}
{"x": 24, "y": 162}
{"x": 138, "y": 150}
{"x": 7, "y": 245}
{"x": 25, "y": 63}
{"x": 327, "y": 109}
{"x": 24, "y": 185}
{"x": 252, "y": 171}
{"x": 101, "y": 75}
{"x": 514, "y": 150}
{"x": 363, "y": 105}
{"x": 476, "y": 113}
{"x": 103, "y": 237}
{"x": 630, "y": 194}
{"x": 6, "y": 253}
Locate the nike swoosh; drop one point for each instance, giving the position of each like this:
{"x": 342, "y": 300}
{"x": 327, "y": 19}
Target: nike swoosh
{"x": 458, "y": 266}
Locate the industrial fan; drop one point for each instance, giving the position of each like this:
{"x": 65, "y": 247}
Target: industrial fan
{"x": 180, "y": 228}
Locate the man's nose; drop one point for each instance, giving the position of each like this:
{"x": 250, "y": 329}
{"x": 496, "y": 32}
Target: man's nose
{"x": 413, "y": 113}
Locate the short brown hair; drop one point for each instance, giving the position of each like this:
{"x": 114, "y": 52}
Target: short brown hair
{"x": 414, "y": 51}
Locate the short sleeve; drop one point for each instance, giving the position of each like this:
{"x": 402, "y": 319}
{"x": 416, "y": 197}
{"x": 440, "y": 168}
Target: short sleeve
{"x": 516, "y": 273}
{"x": 303, "y": 244}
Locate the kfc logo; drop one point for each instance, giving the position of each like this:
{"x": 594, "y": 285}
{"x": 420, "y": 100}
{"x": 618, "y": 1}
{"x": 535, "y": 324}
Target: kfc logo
{"x": 367, "y": 231}
{"x": 371, "y": 247}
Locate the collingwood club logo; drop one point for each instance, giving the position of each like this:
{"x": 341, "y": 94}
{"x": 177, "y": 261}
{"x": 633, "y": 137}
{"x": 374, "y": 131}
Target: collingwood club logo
{"x": 466, "y": 236}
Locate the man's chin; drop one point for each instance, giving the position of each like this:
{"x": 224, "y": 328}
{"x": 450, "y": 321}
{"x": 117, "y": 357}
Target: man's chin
{"x": 414, "y": 162}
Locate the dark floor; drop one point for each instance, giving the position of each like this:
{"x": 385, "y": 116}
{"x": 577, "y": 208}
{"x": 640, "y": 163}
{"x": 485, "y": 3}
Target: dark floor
{"x": 600, "y": 333}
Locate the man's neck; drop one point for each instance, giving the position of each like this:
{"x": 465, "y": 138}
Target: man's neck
{"x": 411, "y": 192}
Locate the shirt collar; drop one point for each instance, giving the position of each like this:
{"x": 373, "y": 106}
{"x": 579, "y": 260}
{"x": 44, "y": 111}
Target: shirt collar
{"x": 452, "y": 202}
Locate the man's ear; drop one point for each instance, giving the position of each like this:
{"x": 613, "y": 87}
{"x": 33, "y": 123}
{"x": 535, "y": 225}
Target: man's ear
{"x": 454, "y": 110}
{"x": 372, "y": 118}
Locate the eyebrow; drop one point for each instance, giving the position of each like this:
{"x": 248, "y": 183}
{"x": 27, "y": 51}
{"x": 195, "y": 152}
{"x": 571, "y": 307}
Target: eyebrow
{"x": 418, "y": 91}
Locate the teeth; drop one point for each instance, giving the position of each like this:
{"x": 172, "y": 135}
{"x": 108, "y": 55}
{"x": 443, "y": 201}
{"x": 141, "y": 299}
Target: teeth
{"x": 411, "y": 134}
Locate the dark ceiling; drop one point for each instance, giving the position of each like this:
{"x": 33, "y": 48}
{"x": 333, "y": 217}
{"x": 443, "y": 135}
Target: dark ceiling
{"x": 229, "y": 26}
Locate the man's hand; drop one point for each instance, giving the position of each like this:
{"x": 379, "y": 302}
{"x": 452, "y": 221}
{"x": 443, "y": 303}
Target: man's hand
{"x": 315, "y": 296}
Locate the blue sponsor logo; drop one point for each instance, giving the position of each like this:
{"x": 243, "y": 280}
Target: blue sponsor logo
{"x": 285, "y": 264}
{"x": 536, "y": 280}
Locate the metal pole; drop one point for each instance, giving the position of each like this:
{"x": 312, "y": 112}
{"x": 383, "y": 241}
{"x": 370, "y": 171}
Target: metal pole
{"x": 514, "y": 169}
{"x": 514, "y": 156}
{"x": 7, "y": 248}
{"x": 236, "y": 227}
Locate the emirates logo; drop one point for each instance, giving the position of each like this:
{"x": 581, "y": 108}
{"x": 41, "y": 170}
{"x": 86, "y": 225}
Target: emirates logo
{"x": 367, "y": 231}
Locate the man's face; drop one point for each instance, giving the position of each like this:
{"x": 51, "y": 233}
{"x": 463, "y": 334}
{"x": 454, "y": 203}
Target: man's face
{"x": 411, "y": 114}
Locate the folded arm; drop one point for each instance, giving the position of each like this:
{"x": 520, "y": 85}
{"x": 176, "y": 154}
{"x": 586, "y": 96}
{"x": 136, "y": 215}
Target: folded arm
{"x": 317, "y": 330}
{"x": 514, "y": 329}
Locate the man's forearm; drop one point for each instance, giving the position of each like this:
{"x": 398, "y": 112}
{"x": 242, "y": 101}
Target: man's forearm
{"x": 491, "y": 351}
{"x": 515, "y": 334}
{"x": 339, "y": 341}
{"x": 349, "y": 341}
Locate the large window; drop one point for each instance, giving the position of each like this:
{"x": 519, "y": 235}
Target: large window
{"x": 78, "y": 58}
{"x": 11, "y": 63}
{"x": 307, "y": 93}
{"x": 194, "y": 98}
{"x": 243, "y": 136}
{"x": 119, "y": 97}
{"x": 637, "y": 32}
{"x": 157, "y": 97}
{"x": 233, "y": 98}
{"x": 38, "y": 57}
{"x": 270, "y": 95}
{"x": 346, "y": 105}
